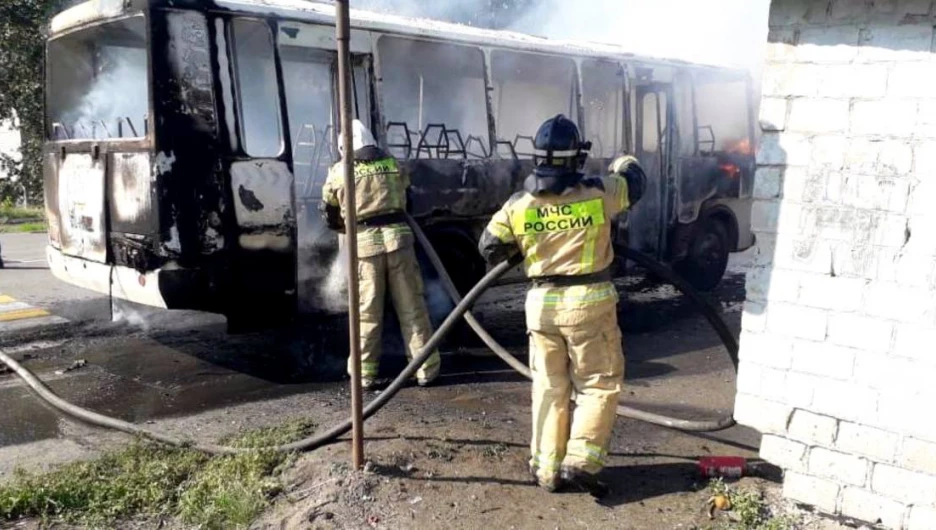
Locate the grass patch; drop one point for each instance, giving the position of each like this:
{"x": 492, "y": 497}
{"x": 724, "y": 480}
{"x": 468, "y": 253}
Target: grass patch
{"x": 748, "y": 510}
{"x": 14, "y": 214}
{"x": 23, "y": 228}
{"x": 147, "y": 480}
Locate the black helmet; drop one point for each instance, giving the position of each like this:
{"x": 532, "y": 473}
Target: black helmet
{"x": 559, "y": 155}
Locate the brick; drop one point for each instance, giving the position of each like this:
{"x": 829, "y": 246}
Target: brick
{"x": 768, "y": 182}
{"x": 797, "y": 321}
{"x": 773, "y": 114}
{"x": 906, "y": 269}
{"x": 822, "y": 494}
{"x": 787, "y": 13}
{"x": 822, "y": 358}
{"x": 781, "y": 45}
{"x": 899, "y": 410}
{"x": 904, "y": 304}
{"x": 765, "y": 247}
{"x": 853, "y": 81}
{"x": 922, "y": 518}
{"x": 802, "y": 185}
{"x": 895, "y": 43}
{"x": 912, "y": 80}
{"x": 886, "y": 371}
{"x": 784, "y": 149}
{"x": 837, "y": 466}
{"x": 829, "y": 152}
{"x": 786, "y": 80}
{"x": 873, "y": 192}
{"x": 791, "y": 218}
{"x": 915, "y": 342}
{"x": 874, "y": 443}
{"x": 889, "y": 230}
{"x": 883, "y": 117}
{"x": 919, "y": 235}
{"x": 924, "y": 160}
{"x": 775, "y": 285}
{"x": 879, "y": 157}
{"x": 764, "y": 215}
{"x": 829, "y": 292}
{"x": 827, "y": 45}
{"x": 866, "y": 333}
{"x": 868, "y": 506}
{"x": 785, "y": 453}
{"x": 768, "y": 417}
{"x": 800, "y": 389}
{"x": 902, "y": 485}
{"x": 808, "y": 254}
{"x": 926, "y": 120}
{"x": 749, "y": 378}
{"x": 754, "y": 317}
{"x": 766, "y": 350}
{"x": 819, "y": 115}
{"x": 855, "y": 259}
{"x": 918, "y": 455}
{"x": 812, "y": 428}
{"x": 845, "y": 400}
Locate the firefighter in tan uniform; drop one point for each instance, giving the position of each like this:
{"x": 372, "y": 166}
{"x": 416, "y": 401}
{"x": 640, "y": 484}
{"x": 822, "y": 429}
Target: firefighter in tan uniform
{"x": 561, "y": 226}
{"x": 386, "y": 256}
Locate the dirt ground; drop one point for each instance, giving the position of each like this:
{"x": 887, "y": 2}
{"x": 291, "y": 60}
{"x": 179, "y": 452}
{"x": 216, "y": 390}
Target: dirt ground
{"x": 450, "y": 456}
{"x": 455, "y": 456}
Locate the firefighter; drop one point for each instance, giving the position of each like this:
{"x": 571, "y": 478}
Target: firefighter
{"x": 386, "y": 255}
{"x": 559, "y": 226}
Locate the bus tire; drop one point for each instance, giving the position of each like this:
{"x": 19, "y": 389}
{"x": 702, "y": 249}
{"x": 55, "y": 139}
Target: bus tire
{"x": 707, "y": 258}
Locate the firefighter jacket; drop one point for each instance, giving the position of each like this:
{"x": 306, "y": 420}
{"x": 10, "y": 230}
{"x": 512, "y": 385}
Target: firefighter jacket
{"x": 380, "y": 192}
{"x": 560, "y": 235}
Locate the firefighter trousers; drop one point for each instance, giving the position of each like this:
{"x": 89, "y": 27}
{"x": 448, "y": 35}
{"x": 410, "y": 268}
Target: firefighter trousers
{"x": 587, "y": 359}
{"x": 399, "y": 272}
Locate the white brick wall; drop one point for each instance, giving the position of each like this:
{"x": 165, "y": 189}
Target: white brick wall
{"x": 842, "y": 467}
{"x": 869, "y": 506}
{"x": 838, "y": 352}
{"x": 804, "y": 488}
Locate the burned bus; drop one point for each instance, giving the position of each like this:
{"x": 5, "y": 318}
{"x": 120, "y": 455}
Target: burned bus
{"x": 188, "y": 141}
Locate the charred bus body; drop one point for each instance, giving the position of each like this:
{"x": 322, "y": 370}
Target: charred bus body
{"x": 189, "y": 141}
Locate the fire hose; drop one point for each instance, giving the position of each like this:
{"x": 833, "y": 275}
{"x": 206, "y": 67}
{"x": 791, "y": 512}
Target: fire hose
{"x": 462, "y": 309}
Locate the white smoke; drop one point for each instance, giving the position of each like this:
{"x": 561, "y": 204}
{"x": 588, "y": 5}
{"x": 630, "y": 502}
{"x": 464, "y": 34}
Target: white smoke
{"x": 720, "y": 32}
{"x": 118, "y": 93}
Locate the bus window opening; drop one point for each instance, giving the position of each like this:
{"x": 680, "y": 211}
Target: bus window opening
{"x": 722, "y": 116}
{"x": 437, "y": 90}
{"x": 257, "y": 88}
{"x": 603, "y": 100}
{"x": 529, "y": 89}
{"x": 98, "y": 80}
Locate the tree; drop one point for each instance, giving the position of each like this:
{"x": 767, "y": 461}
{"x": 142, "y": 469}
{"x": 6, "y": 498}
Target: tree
{"x": 22, "y": 44}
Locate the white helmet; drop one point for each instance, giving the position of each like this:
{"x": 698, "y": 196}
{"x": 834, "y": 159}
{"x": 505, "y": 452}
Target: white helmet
{"x": 360, "y": 137}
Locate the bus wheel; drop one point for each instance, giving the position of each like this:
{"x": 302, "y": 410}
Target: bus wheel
{"x": 707, "y": 259}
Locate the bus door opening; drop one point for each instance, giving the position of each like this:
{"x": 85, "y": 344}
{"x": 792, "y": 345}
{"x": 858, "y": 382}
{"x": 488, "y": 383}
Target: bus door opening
{"x": 310, "y": 78}
{"x": 648, "y": 220}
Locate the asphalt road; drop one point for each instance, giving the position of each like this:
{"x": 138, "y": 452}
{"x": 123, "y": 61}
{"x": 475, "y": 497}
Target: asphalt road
{"x": 182, "y": 372}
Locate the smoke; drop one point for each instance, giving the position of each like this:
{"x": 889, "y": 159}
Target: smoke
{"x": 98, "y": 81}
{"x": 721, "y": 32}
{"x": 118, "y": 92}
{"x": 323, "y": 279}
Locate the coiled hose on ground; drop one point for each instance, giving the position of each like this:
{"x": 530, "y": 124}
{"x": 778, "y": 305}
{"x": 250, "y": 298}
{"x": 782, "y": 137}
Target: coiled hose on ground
{"x": 461, "y": 310}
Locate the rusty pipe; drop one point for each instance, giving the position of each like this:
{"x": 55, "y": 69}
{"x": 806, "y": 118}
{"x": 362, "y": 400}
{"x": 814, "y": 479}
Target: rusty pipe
{"x": 343, "y": 37}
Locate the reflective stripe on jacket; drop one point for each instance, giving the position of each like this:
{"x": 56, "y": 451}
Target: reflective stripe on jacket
{"x": 379, "y": 189}
{"x": 561, "y": 235}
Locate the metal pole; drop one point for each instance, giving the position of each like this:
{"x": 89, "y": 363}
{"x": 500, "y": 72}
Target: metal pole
{"x": 343, "y": 34}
